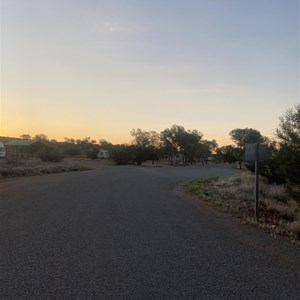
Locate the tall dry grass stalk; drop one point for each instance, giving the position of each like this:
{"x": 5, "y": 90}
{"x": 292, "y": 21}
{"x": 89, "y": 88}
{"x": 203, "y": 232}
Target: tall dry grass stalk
{"x": 279, "y": 213}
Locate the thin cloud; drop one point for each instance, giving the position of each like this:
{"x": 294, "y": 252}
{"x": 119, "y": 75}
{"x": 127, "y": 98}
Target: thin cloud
{"x": 195, "y": 90}
{"x": 104, "y": 25}
{"x": 224, "y": 89}
{"x": 191, "y": 91}
{"x": 115, "y": 27}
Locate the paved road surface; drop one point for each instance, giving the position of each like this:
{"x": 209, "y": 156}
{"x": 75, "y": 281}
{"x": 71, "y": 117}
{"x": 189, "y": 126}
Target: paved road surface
{"x": 127, "y": 233}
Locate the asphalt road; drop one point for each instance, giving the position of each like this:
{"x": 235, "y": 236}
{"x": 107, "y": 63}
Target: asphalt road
{"x": 129, "y": 233}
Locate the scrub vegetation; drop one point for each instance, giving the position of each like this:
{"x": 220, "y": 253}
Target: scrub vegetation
{"x": 179, "y": 146}
{"x": 36, "y": 167}
{"x": 279, "y": 206}
{"x": 279, "y": 211}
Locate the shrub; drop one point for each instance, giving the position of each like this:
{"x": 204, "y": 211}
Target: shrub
{"x": 92, "y": 153}
{"x": 72, "y": 151}
{"x": 50, "y": 154}
{"x": 123, "y": 154}
{"x": 288, "y": 160}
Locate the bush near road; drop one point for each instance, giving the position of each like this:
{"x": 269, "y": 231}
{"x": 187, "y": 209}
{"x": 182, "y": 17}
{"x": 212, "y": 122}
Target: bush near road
{"x": 279, "y": 212}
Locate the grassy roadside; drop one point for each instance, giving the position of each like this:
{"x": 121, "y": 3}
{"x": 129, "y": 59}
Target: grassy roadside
{"x": 36, "y": 167}
{"x": 279, "y": 212}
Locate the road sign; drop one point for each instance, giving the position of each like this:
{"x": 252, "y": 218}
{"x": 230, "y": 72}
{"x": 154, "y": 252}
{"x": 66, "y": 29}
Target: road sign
{"x": 256, "y": 152}
{"x": 251, "y": 152}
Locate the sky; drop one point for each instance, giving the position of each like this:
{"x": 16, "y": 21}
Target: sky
{"x": 93, "y": 68}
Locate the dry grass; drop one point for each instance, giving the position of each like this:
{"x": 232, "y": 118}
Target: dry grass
{"x": 36, "y": 167}
{"x": 279, "y": 213}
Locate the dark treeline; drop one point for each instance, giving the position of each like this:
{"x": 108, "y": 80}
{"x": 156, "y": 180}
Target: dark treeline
{"x": 176, "y": 144}
{"x": 181, "y": 146}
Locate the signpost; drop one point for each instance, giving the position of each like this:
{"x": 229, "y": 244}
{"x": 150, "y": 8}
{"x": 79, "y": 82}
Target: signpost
{"x": 256, "y": 152}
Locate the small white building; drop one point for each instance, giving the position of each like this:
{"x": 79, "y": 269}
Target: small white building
{"x": 2, "y": 150}
{"x": 103, "y": 153}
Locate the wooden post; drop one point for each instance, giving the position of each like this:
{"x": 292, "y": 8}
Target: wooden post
{"x": 256, "y": 182}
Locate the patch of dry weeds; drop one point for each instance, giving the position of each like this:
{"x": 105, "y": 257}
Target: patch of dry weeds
{"x": 279, "y": 212}
{"x": 36, "y": 167}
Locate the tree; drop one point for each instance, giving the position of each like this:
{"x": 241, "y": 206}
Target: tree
{"x": 168, "y": 144}
{"x": 25, "y": 136}
{"x": 40, "y": 137}
{"x": 145, "y": 144}
{"x": 70, "y": 148}
{"x": 69, "y": 140}
{"x": 87, "y": 147}
{"x": 247, "y": 135}
{"x": 288, "y": 136}
{"x": 227, "y": 154}
{"x": 191, "y": 144}
{"x": 177, "y": 140}
{"x": 92, "y": 153}
{"x": 84, "y": 141}
{"x": 123, "y": 154}
{"x": 288, "y": 131}
{"x": 104, "y": 144}
{"x": 205, "y": 150}
{"x": 243, "y": 136}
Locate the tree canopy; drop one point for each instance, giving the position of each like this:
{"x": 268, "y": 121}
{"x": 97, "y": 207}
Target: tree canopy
{"x": 288, "y": 131}
{"x": 246, "y": 135}
{"x": 288, "y": 135}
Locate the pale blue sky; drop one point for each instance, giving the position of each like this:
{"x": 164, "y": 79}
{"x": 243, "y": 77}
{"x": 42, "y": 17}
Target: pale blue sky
{"x": 100, "y": 68}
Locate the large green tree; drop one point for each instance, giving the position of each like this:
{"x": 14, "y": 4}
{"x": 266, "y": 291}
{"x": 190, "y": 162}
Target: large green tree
{"x": 205, "y": 150}
{"x": 146, "y": 145}
{"x": 241, "y": 137}
{"x": 123, "y": 154}
{"x": 168, "y": 144}
{"x": 246, "y": 135}
{"x": 288, "y": 130}
{"x": 177, "y": 140}
{"x": 288, "y": 136}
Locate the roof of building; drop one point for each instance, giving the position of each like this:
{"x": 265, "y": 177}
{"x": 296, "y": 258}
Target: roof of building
{"x": 20, "y": 142}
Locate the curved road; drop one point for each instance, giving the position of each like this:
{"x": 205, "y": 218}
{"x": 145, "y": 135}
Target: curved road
{"x": 129, "y": 233}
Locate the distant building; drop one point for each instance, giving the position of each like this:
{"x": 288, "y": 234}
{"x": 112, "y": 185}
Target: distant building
{"x": 23, "y": 149}
{"x": 103, "y": 153}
